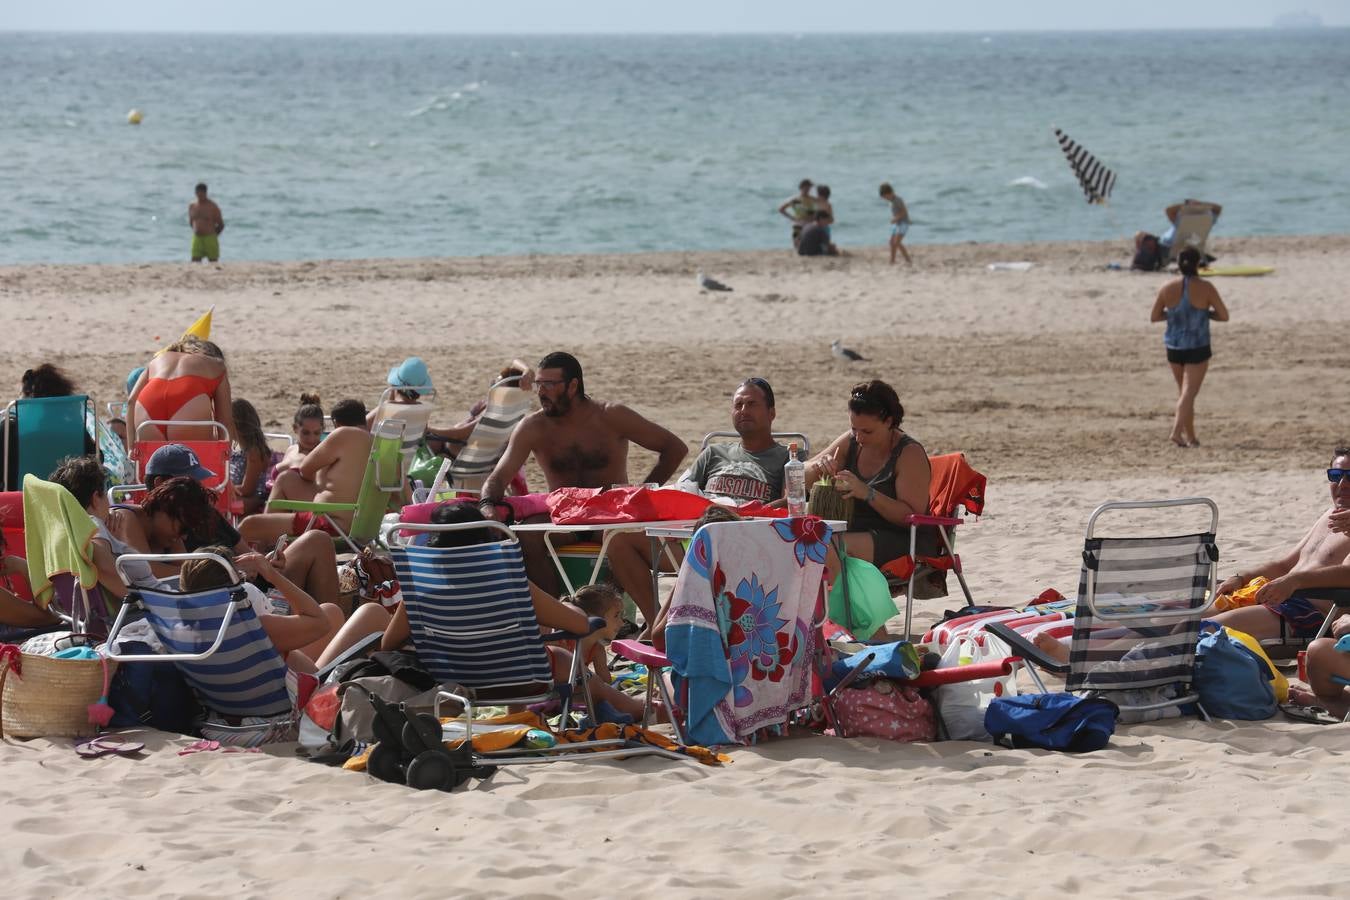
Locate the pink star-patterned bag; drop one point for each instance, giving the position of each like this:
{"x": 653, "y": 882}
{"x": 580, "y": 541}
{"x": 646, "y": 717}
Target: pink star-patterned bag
{"x": 886, "y": 709}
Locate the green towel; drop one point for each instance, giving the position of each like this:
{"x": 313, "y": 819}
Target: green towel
{"x": 58, "y": 537}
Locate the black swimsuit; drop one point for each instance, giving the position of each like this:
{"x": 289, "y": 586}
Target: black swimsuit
{"x": 889, "y": 541}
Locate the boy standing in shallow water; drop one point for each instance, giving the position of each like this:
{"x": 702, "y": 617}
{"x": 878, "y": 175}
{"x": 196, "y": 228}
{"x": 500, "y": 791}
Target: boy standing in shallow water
{"x": 899, "y": 222}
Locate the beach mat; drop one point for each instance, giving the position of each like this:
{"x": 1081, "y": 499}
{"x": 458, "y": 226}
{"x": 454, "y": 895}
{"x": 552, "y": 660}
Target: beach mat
{"x": 1236, "y": 271}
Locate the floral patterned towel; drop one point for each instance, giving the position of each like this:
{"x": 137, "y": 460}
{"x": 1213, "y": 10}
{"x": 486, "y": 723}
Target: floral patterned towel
{"x": 739, "y": 635}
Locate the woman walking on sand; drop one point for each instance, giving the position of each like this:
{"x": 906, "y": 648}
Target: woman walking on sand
{"x": 1188, "y": 304}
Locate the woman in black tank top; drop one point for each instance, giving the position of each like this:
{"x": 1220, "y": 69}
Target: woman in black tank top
{"x": 885, "y": 471}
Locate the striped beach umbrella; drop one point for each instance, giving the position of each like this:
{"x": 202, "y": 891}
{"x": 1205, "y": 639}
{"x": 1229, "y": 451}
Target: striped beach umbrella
{"x": 1095, "y": 178}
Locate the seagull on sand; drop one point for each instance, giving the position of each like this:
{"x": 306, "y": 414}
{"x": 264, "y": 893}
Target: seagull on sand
{"x": 708, "y": 284}
{"x": 839, "y": 351}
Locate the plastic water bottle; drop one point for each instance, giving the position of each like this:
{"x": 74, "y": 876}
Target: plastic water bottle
{"x": 794, "y": 476}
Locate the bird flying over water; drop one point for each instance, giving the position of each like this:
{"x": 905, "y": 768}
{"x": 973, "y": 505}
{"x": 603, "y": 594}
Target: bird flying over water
{"x": 839, "y": 351}
{"x": 708, "y": 284}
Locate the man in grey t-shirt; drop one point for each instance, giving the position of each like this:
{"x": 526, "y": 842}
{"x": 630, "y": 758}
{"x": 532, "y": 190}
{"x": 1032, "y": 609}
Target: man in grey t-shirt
{"x": 750, "y": 470}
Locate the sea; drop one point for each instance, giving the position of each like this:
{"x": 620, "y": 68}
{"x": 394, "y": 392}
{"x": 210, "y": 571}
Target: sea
{"x": 322, "y": 147}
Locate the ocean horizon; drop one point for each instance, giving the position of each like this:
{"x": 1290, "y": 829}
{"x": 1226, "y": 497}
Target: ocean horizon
{"x": 346, "y": 146}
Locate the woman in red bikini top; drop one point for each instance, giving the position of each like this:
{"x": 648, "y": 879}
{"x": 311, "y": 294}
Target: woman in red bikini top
{"x": 187, "y": 382}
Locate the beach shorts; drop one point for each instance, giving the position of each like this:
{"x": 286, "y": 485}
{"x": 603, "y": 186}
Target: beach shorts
{"x": 1191, "y": 357}
{"x": 206, "y": 245}
{"x": 900, "y": 229}
{"x": 1298, "y": 616}
{"x": 307, "y": 521}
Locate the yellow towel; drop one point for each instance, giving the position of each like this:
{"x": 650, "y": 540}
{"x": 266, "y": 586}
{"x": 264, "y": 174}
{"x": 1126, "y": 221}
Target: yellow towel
{"x": 58, "y": 537}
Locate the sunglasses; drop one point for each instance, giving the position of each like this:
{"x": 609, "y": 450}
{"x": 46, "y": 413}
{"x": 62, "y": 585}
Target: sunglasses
{"x": 1335, "y": 475}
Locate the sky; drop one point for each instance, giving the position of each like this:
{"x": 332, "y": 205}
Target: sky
{"x": 647, "y": 16}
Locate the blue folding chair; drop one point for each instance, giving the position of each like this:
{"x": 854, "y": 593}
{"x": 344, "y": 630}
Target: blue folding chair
{"x": 41, "y": 431}
{"x": 218, "y": 643}
{"x": 471, "y": 616}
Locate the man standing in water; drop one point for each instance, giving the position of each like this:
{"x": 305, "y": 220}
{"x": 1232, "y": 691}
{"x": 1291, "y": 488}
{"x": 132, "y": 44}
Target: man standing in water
{"x": 578, "y": 441}
{"x": 207, "y": 223}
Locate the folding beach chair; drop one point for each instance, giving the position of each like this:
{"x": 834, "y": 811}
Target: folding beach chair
{"x": 1287, "y": 646}
{"x": 213, "y": 454}
{"x": 471, "y": 617}
{"x": 1140, "y": 604}
{"x": 382, "y": 483}
{"x": 803, "y": 442}
{"x": 414, "y": 417}
{"x": 953, "y": 486}
{"x": 507, "y": 404}
{"x": 39, "y": 432}
{"x": 218, "y": 643}
{"x": 1193, "y": 225}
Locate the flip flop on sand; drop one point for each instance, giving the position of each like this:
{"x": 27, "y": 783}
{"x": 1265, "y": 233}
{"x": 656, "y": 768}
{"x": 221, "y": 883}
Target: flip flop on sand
{"x": 103, "y": 745}
{"x": 1313, "y": 714}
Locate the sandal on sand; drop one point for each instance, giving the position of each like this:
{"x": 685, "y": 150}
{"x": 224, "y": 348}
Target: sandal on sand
{"x": 208, "y": 746}
{"x": 104, "y": 745}
{"x": 1315, "y": 715}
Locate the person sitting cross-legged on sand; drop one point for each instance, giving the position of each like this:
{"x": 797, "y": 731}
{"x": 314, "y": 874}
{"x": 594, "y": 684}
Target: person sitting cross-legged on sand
{"x": 1321, "y": 559}
{"x": 578, "y": 441}
{"x": 749, "y": 470}
{"x": 551, "y": 613}
{"x": 298, "y": 626}
{"x": 331, "y": 473}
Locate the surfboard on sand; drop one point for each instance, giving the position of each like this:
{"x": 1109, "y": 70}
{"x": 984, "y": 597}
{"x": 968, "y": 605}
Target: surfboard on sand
{"x": 1236, "y": 271}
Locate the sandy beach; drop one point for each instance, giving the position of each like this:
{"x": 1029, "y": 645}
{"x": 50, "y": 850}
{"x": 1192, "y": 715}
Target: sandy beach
{"x": 1053, "y": 383}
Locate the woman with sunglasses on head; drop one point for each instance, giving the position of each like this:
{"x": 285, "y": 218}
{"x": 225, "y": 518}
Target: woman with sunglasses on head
{"x": 884, "y": 469}
{"x": 1187, "y": 304}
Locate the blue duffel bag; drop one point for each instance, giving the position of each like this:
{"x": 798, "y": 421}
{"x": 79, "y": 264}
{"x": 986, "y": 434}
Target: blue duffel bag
{"x": 1052, "y": 721}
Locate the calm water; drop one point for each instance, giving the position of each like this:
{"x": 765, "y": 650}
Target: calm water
{"x": 429, "y": 146}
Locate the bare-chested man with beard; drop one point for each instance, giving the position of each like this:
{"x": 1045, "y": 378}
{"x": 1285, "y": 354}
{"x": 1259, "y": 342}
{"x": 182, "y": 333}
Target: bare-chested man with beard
{"x": 579, "y": 442}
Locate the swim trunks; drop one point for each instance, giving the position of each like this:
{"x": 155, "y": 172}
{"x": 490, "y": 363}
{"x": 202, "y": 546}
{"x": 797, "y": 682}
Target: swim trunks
{"x": 205, "y": 245}
{"x": 1191, "y": 357}
{"x": 1298, "y": 616}
{"x": 307, "y": 521}
{"x": 900, "y": 229}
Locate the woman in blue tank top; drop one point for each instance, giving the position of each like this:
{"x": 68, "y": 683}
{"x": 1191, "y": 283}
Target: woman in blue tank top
{"x": 1188, "y": 304}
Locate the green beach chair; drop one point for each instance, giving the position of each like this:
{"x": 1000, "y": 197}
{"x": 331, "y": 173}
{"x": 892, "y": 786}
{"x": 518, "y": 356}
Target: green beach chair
{"x": 40, "y": 431}
{"x": 381, "y": 486}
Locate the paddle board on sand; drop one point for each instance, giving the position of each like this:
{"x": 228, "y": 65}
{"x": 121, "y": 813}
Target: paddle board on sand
{"x": 1236, "y": 271}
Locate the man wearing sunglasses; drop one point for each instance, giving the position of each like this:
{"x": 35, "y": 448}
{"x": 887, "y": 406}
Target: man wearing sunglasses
{"x": 578, "y": 441}
{"x": 1321, "y": 560}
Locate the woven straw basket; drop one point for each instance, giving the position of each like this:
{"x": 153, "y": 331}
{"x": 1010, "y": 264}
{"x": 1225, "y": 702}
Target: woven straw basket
{"x": 51, "y": 698}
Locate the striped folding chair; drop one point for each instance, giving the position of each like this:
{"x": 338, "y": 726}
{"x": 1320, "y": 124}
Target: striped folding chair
{"x": 216, "y": 640}
{"x": 1140, "y": 603}
{"x": 471, "y": 617}
{"x": 507, "y": 404}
